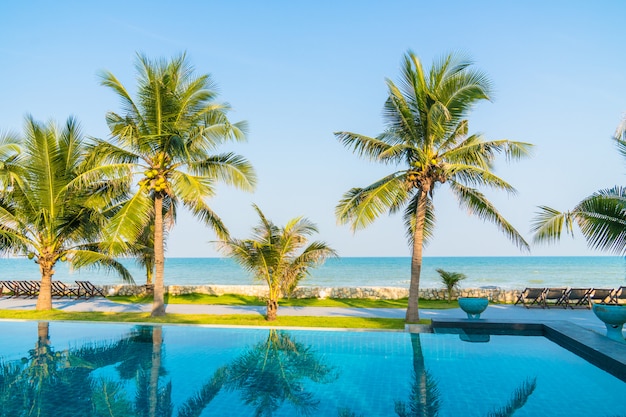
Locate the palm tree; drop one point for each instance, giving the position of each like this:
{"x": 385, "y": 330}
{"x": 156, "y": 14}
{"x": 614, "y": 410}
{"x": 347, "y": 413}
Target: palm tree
{"x": 451, "y": 280}
{"x": 601, "y": 217}
{"x": 165, "y": 136}
{"x": 426, "y": 139}
{"x": 50, "y": 206}
{"x": 278, "y": 256}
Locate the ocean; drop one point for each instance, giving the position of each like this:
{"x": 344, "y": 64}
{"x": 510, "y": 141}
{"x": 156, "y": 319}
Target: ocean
{"x": 504, "y": 272}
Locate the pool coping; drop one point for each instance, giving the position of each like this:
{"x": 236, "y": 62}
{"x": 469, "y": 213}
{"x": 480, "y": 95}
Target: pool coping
{"x": 608, "y": 355}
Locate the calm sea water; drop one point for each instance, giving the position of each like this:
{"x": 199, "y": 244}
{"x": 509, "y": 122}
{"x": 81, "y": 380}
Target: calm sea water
{"x": 503, "y": 272}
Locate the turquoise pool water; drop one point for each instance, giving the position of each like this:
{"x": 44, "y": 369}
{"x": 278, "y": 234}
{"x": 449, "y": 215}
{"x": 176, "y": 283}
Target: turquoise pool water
{"x": 74, "y": 369}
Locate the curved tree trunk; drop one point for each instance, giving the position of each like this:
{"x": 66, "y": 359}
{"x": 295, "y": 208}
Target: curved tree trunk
{"x": 412, "y": 311}
{"x": 44, "y": 299}
{"x": 158, "y": 305}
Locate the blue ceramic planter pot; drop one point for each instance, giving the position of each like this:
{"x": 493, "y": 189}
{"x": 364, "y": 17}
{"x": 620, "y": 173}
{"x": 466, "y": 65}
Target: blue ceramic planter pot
{"x": 473, "y": 306}
{"x": 614, "y": 317}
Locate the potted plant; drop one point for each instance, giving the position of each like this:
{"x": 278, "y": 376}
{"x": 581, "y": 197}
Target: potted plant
{"x": 473, "y": 306}
{"x": 613, "y": 316}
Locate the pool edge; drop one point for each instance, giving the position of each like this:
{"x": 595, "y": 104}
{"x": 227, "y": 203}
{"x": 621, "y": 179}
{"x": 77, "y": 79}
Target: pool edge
{"x": 595, "y": 348}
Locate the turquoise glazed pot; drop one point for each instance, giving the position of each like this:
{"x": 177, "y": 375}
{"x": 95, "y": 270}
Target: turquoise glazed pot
{"x": 614, "y": 317}
{"x": 473, "y": 306}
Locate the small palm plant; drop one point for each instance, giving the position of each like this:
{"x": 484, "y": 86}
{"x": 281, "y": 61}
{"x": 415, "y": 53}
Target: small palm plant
{"x": 279, "y": 256}
{"x": 451, "y": 280}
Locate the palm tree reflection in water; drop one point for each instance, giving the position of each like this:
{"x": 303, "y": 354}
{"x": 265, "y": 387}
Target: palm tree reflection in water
{"x": 425, "y": 397}
{"x": 269, "y": 375}
{"x": 50, "y": 383}
{"x": 63, "y": 383}
{"x": 272, "y": 373}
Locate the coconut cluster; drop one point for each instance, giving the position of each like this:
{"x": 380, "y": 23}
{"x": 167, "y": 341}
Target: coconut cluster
{"x": 154, "y": 181}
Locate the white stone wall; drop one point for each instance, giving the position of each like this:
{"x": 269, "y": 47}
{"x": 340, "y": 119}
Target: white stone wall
{"x": 382, "y": 293}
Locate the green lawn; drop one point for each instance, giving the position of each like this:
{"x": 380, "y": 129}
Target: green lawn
{"x": 232, "y": 319}
{"x": 239, "y": 319}
{"x": 234, "y": 299}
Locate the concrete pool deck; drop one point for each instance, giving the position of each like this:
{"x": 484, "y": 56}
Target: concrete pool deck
{"x": 582, "y": 317}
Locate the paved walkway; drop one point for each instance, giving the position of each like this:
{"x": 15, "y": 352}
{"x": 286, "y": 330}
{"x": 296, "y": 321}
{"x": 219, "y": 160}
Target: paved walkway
{"x": 581, "y": 317}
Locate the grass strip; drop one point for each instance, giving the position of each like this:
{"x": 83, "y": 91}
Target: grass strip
{"x": 236, "y": 299}
{"x": 225, "y": 320}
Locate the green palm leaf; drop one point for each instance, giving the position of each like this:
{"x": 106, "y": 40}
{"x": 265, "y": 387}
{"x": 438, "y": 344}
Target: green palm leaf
{"x": 602, "y": 219}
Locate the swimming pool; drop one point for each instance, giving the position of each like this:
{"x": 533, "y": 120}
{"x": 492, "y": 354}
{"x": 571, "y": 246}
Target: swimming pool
{"x": 75, "y": 369}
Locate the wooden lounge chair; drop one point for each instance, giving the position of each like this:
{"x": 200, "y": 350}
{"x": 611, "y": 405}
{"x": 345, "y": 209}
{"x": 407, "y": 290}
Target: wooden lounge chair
{"x": 577, "y": 297}
{"x": 554, "y": 297}
{"x": 619, "y": 295}
{"x": 60, "y": 289}
{"x": 600, "y": 295}
{"x": 88, "y": 290}
{"x": 8, "y": 288}
{"x": 29, "y": 289}
{"x": 531, "y": 296}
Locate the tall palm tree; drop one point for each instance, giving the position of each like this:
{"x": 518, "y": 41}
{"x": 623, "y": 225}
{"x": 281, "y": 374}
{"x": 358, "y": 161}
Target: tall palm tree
{"x": 426, "y": 140}
{"x": 51, "y": 205}
{"x": 601, "y": 217}
{"x": 164, "y": 137}
{"x": 279, "y": 256}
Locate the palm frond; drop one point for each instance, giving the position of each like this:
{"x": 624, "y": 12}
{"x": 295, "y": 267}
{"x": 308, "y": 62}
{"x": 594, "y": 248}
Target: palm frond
{"x": 602, "y": 219}
{"x": 409, "y": 216}
{"x": 206, "y": 215}
{"x": 128, "y": 223}
{"x": 363, "y": 146}
{"x": 228, "y": 168}
{"x": 548, "y": 224}
{"x": 361, "y": 206}
{"x": 517, "y": 401}
{"x": 477, "y": 204}
{"x": 91, "y": 259}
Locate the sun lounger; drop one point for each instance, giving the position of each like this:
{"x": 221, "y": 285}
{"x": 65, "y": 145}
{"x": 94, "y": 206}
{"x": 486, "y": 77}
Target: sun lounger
{"x": 88, "y": 290}
{"x": 8, "y": 288}
{"x": 575, "y": 297}
{"x": 600, "y": 295}
{"x": 554, "y": 297}
{"x": 531, "y": 296}
{"x": 29, "y": 289}
{"x": 60, "y": 289}
{"x": 619, "y": 295}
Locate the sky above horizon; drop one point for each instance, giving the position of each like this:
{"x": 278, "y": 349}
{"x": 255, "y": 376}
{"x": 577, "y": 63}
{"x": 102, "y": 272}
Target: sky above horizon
{"x": 299, "y": 71}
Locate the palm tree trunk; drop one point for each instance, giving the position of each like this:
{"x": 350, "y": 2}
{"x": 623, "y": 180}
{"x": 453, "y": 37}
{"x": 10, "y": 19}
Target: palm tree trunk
{"x": 43, "y": 333}
{"x": 44, "y": 299}
{"x": 158, "y": 305}
{"x": 157, "y": 343}
{"x": 412, "y": 311}
{"x": 272, "y": 310}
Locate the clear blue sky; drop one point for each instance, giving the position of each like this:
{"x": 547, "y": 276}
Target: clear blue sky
{"x": 299, "y": 71}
